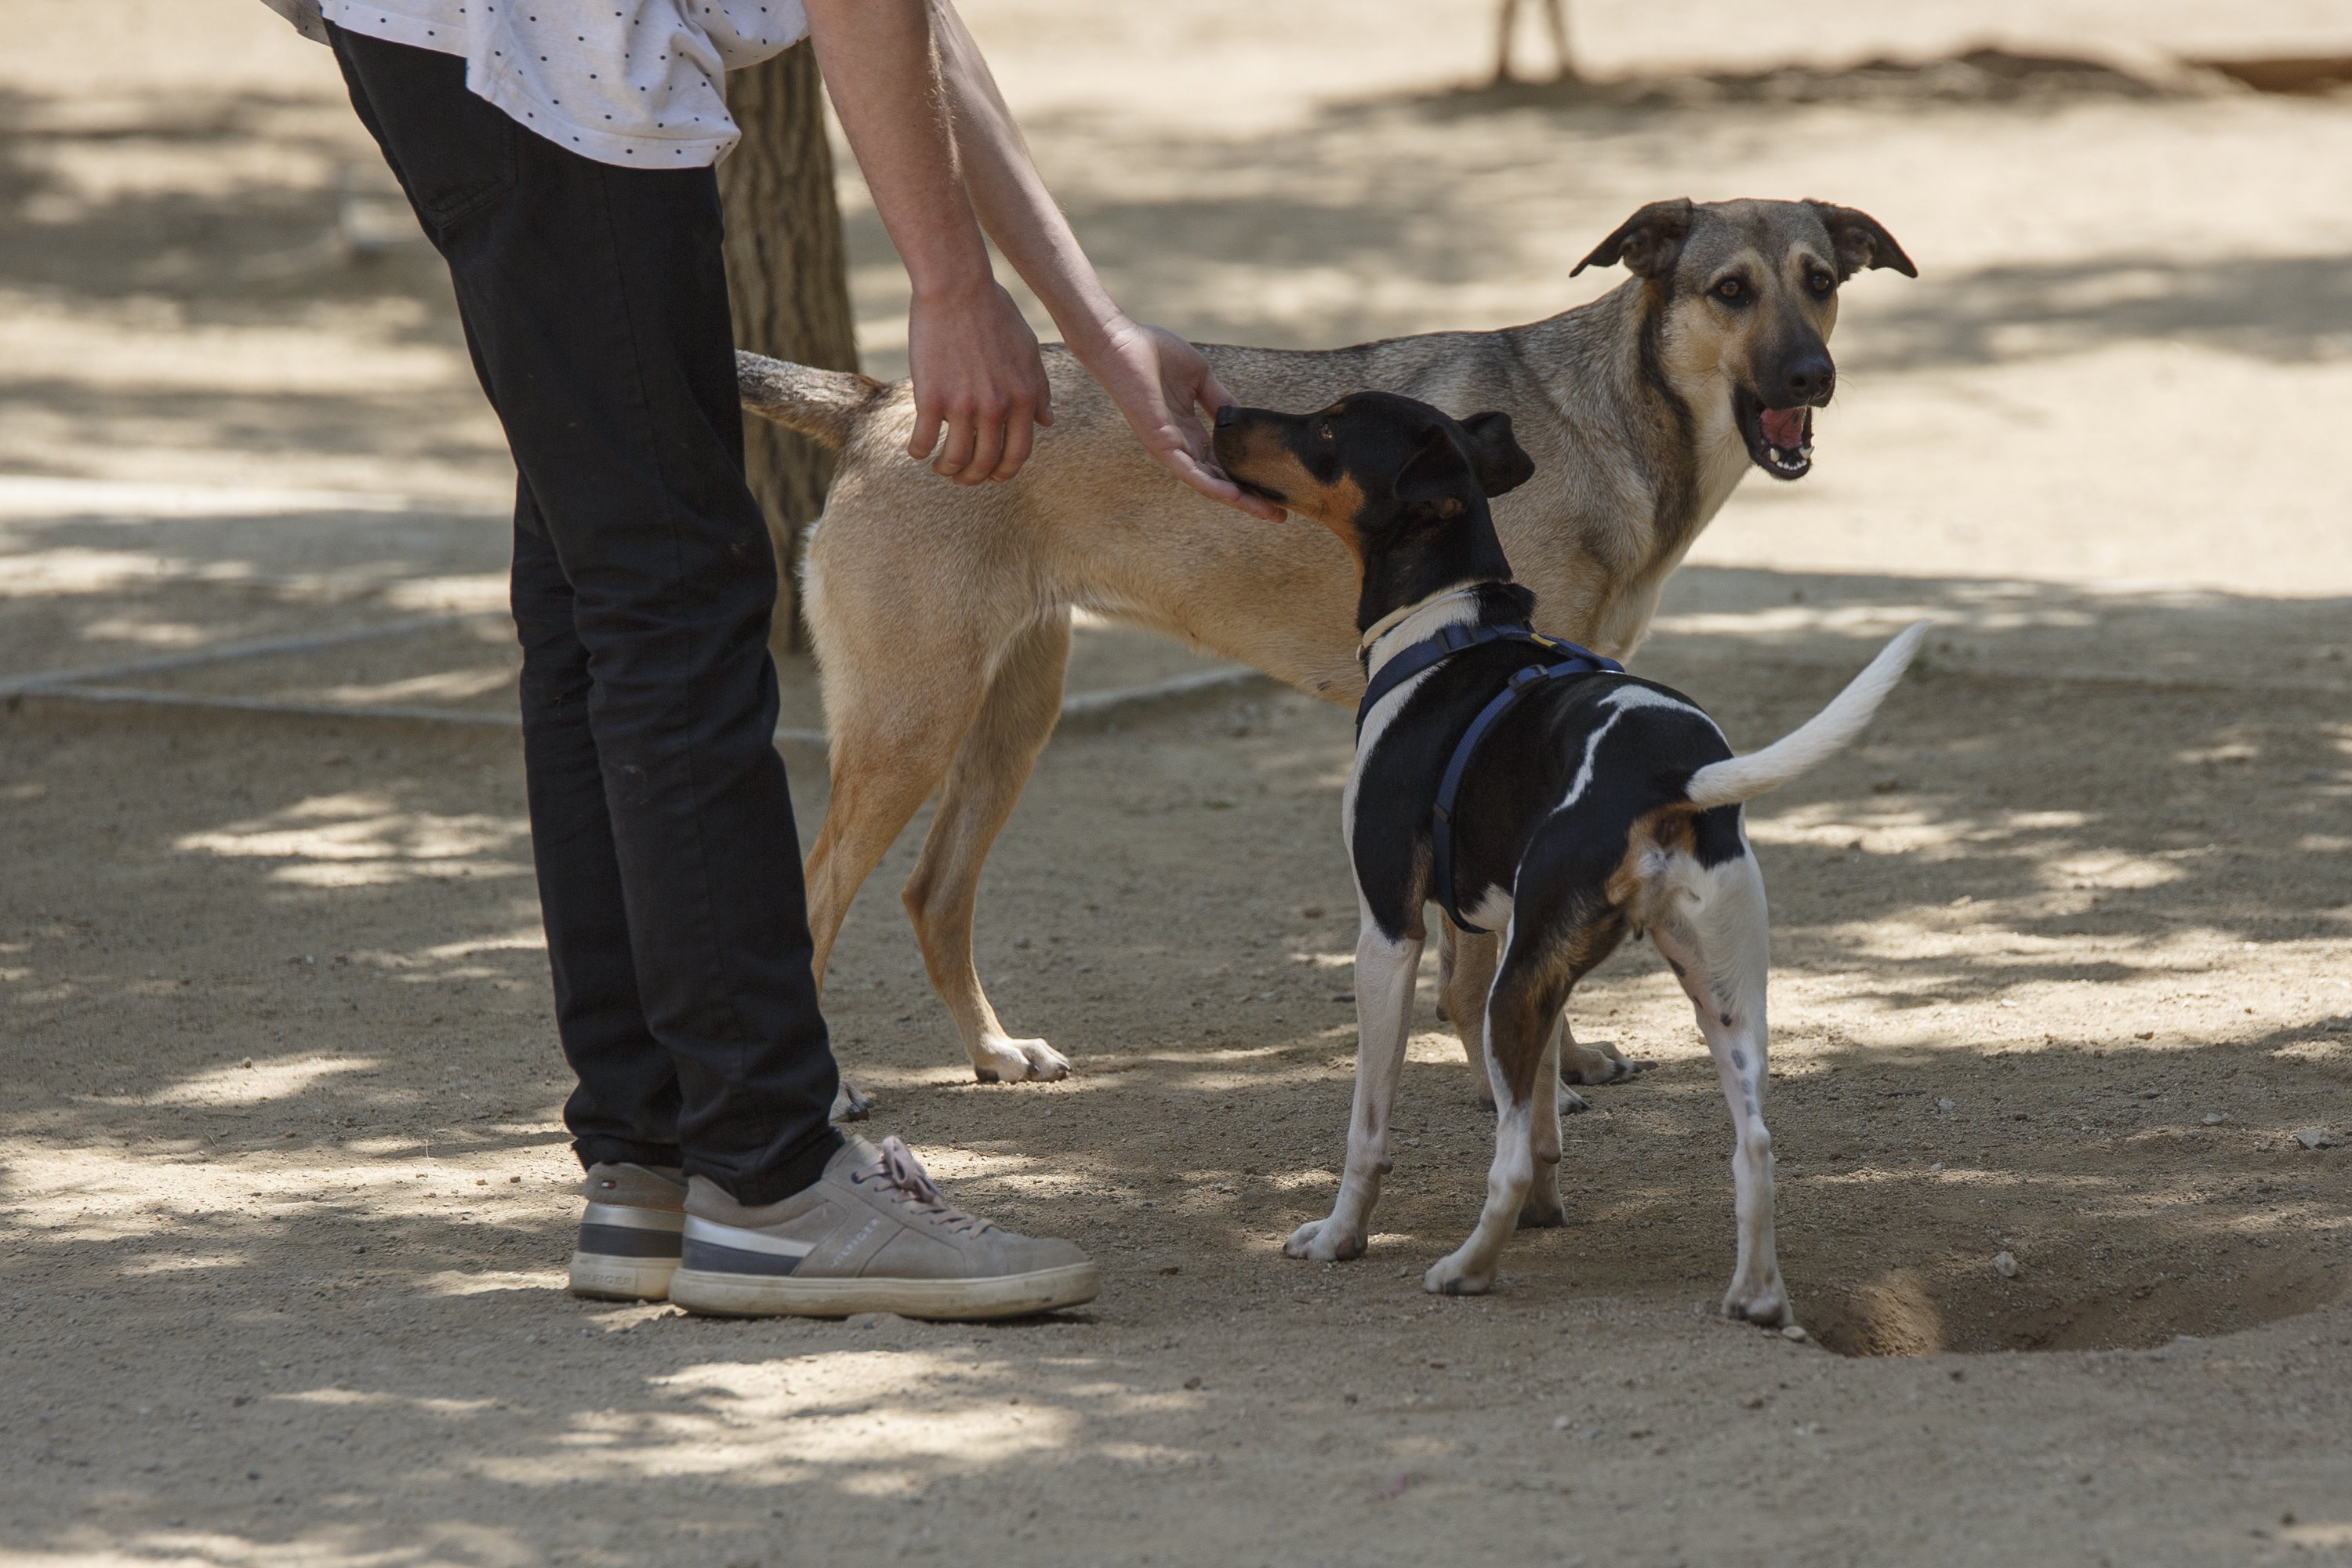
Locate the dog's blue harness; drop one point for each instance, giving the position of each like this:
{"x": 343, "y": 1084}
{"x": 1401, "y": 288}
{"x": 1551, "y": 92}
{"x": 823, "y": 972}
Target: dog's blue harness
{"x": 1566, "y": 658}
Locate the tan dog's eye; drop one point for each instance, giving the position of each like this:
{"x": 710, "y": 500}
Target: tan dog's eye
{"x": 1731, "y": 288}
{"x": 1821, "y": 283}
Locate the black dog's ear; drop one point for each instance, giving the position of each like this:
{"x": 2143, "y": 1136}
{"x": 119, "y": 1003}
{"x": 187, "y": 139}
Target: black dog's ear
{"x": 1500, "y": 463}
{"x": 1437, "y": 475}
{"x": 1861, "y": 241}
{"x": 1649, "y": 243}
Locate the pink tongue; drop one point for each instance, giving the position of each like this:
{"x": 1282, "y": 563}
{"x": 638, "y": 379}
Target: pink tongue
{"x": 1783, "y": 428}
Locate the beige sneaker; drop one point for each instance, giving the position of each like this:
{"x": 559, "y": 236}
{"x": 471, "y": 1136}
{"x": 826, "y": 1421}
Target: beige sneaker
{"x": 628, "y": 1243}
{"x": 873, "y": 1234}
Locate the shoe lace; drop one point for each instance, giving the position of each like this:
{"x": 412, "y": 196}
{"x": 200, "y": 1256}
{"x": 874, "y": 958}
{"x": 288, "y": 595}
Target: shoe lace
{"x": 899, "y": 1171}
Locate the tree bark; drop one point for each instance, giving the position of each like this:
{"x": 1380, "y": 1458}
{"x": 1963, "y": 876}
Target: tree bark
{"x": 788, "y": 283}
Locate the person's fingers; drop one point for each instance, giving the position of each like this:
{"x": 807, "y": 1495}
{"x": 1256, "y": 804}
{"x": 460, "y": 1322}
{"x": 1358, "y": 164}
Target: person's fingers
{"x": 925, "y": 433}
{"x": 955, "y": 456}
{"x": 1218, "y": 487}
{"x": 987, "y": 445}
{"x": 1020, "y": 430}
{"x": 1191, "y": 432}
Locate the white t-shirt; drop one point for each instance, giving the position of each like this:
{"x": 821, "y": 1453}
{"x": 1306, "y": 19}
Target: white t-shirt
{"x": 637, "y": 82}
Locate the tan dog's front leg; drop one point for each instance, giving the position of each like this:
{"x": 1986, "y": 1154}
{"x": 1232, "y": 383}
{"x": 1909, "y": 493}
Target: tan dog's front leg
{"x": 1543, "y": 1207}
{"x": 1464, "y": 971}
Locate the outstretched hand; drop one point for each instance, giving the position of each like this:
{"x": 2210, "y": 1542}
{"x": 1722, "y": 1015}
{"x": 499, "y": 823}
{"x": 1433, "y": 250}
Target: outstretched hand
{"x": 1158, "y": 381}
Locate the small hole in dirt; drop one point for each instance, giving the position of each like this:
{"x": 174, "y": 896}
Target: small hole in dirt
{"x": 1970, "y": 1310}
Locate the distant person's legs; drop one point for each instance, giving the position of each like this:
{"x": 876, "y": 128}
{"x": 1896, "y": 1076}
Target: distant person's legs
{"x": 594, "y": 301}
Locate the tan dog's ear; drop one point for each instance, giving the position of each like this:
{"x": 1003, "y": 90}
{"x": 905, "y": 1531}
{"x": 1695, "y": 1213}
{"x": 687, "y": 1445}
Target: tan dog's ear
{"x": 1649, "y": 243}
{"x": 1861, "y": 240}
{"x": 1497, "y": 458}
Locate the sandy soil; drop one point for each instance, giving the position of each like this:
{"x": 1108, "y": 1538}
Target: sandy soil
{"x": 2063, "y": 957}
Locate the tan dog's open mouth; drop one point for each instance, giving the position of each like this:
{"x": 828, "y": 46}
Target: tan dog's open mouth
{"x": 1780, "y": 440}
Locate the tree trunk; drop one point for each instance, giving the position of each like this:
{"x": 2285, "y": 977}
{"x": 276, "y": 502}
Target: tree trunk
{"x": 788, "y": 283}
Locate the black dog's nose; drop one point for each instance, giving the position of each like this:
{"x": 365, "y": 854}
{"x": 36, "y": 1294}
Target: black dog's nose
{"x": 1807, "y": 378}
{"x": 1228, "y": 416}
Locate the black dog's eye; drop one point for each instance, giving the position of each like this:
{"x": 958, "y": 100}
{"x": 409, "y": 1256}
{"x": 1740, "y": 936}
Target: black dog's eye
{"x": 1821, "y": 283}
{"x": 1731, "y": 288}
{"x": 1324, "y": 431}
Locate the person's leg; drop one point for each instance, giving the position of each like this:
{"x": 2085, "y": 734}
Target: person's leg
{"x": 595, "y": 303}
{"x": 625, "y": 1106}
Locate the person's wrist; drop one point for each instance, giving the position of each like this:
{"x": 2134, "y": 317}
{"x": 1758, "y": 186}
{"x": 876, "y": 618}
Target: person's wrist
{"x": 1092, "y": 334}
{"x": 949, "y": 287}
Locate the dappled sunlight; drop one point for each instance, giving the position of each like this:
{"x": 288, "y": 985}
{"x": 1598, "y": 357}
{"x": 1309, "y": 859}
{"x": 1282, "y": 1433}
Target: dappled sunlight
{"x": 256, "y": 1081}
{"x": 68, "y": 568}
{"x": 367, "y": 838}
{"x": 530, "y": 939}
{"x": 490, "y": 1281}
{"x": 477, "y": 592}
{"x": 906, "y": 1412}
{"x": 445, "y": 686}
{"x": 159, "y": 635}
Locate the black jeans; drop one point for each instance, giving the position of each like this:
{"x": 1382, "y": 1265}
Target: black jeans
{"x": 595, "y": 302}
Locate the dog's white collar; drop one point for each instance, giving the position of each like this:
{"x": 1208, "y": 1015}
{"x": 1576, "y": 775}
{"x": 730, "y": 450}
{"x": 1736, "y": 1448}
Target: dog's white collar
{"x": 1397, "y": 617}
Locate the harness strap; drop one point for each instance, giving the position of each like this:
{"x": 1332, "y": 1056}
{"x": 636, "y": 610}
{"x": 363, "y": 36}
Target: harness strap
{"x": 1449, "y": 640}
{"x": 1433, "y": 651}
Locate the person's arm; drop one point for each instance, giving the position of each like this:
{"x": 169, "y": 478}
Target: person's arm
{"x": 1155, "y": 377}
{"x": 973, "y": 359}
{"x": 933, "y": 138}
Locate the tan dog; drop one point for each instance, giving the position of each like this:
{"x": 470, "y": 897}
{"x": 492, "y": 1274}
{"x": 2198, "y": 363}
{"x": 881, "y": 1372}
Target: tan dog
{"x": 1640, "y": 410}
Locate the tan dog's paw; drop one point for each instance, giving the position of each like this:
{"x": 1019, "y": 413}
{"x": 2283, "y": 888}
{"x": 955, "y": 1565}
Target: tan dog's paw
{"x": 1591, "y": 1062}
{"x": 851, "y": 1103}
{"x": 1325, "y": 1241}
{"x": 1002, "y": 1060}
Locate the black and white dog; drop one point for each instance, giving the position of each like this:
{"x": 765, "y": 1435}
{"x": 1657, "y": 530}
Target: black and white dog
{"x": 1523, "y": 784}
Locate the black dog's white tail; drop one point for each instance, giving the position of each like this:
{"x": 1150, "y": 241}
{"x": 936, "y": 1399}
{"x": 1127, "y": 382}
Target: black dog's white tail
{"x": 1743, "y": 778}
{"x": 823, "y": 404}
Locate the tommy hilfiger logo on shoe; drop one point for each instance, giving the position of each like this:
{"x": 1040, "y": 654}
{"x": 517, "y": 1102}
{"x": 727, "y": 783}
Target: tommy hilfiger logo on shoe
{"x": 851, "y": 1246}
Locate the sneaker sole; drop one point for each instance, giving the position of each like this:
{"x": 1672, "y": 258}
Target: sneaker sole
{"x": 1001, "y": 1296}
{"x": 607, "y": 1279}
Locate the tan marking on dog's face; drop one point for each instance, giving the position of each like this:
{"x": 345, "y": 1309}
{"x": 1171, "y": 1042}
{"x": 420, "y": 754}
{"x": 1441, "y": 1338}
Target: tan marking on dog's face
{"x": 1265, "y": 456}
{"x": 1712, "y": 338}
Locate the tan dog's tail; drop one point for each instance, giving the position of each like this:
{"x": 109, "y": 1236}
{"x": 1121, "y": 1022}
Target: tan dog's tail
{"x": 825, "y": 405}
{"x": 1743, "y": 778}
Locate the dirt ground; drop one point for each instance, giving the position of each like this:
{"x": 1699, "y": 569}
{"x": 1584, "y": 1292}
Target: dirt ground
{"x": 2065, "y": 946}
